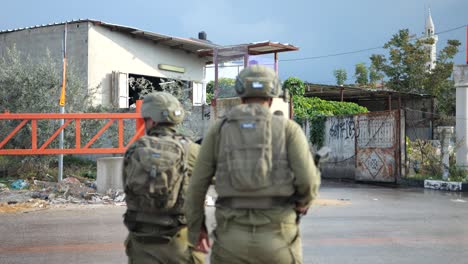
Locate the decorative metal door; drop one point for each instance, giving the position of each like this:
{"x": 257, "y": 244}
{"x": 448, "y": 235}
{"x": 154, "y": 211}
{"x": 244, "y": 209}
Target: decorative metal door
{"x": 377, "y": 146}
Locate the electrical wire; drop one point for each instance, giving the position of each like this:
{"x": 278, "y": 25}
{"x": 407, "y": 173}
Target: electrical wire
{"x": 450, "y": 30}
{"x": 332, "y": 55}
{"x": 362, "y": 50}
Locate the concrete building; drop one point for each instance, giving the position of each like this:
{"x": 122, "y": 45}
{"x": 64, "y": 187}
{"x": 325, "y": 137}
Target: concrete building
{"x": 106, "y": 55}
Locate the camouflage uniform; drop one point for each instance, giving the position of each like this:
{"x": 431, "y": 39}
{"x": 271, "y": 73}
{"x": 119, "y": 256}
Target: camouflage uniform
{"x": 158, "y": 238}
{"x": 250, "y": 235}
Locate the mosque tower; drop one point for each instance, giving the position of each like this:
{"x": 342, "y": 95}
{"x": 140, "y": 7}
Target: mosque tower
{"x": 429, "y": 33}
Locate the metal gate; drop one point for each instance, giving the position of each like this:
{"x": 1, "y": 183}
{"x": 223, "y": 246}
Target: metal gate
{"x": 378, "y": 146}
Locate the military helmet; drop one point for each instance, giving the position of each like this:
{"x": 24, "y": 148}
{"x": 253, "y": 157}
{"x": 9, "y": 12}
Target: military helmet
{"x": 162, "y": 107}
{"x": 257, "y": 81}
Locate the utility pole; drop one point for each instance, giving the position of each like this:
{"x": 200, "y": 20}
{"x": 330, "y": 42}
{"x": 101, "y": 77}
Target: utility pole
{"x": 62, "y": 101}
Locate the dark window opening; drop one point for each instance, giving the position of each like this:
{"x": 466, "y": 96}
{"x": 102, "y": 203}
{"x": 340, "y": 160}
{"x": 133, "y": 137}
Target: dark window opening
{"x": 140, "y": 85}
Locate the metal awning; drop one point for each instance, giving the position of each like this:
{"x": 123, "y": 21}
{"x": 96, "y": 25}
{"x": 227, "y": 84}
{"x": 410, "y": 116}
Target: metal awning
{"x": 254, "y": 48}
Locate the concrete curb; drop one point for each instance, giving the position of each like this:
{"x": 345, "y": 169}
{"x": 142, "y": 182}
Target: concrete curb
{"x": 411, "y": 182}
{"x": 446, "y": 186}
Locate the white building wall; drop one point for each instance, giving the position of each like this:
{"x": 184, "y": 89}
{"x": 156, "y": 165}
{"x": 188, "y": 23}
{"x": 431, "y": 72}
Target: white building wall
{"x": 115, "y": 51}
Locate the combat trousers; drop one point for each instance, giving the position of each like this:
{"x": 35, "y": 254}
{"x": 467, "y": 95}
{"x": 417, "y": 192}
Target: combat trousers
{"x": 234, "y": 243}
{"x": 174, "y": 252}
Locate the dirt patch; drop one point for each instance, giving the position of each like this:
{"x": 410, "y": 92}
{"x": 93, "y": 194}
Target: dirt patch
{"x": 32, "y": 205}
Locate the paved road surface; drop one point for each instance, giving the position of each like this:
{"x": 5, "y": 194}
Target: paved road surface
{"x": 352, "y": 223}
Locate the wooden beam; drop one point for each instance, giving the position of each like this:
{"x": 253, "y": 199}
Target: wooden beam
{"x": 157, "y": 41}
{"x": 390, "y": 102}
{"x": 178, "y": 46}
{"x": 276, "y": 62}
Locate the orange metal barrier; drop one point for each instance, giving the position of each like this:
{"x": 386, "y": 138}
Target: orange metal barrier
{"x": 68, "y": 118}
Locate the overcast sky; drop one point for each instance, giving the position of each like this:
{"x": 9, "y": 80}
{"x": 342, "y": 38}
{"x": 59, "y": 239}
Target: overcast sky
{"x": 318, "y": 27}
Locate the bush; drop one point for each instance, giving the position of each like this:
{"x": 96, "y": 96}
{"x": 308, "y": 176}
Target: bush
{"x": 427, "y": 162}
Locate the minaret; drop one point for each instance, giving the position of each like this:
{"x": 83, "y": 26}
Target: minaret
{"x": 429, "y": 33}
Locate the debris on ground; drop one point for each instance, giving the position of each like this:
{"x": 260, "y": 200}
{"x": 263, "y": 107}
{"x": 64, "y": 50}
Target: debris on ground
{"x": 331, "y": 202}
{"x": 19, "y": 184}
{"x": 15, "y": 207}
{"x": 70, "y": 190}
{"x": 3, "y": 187}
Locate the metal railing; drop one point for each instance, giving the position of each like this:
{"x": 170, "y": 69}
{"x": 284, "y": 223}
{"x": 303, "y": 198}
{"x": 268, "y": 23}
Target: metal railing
{"x": 69, "y": 118}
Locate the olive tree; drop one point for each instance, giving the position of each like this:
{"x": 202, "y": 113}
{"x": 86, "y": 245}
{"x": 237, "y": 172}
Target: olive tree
{"x": 33, "y": 86}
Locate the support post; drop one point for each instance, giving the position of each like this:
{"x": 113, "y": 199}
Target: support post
{"x": 445, "y": 134}
{"x": 62, "y": 103}
{"x": 460, "y": 76}
{"x": 389, "y": 102}
{"x": 139, "y": 121}
{"x": 276, "y": 63}
{"x": 215, "y": 62}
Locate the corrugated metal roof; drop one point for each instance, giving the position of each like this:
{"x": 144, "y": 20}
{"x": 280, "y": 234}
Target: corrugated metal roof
{"x": 189, "y": 45}
{"x": 334, "y": 92}
{"x": 48, "y": 25}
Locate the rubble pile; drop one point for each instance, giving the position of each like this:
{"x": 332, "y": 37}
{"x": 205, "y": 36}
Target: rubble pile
{"x": 68, "y": 191}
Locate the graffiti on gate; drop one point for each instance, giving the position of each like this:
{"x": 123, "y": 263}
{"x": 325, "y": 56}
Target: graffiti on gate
{"x": 342, "y": 129}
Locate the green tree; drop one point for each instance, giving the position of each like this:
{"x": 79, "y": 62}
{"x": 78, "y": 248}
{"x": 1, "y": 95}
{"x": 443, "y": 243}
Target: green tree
{"x": 34, "y": 87}
{"x": 406, "y": 65}
{"x": 225, "y": 86}
{"x": 406, "y": 68}
{"x": 361, "y": 74}
{"x": 439, "y": 83}
{"x": 341, "y": 76}
{"x": 374, "y": 76}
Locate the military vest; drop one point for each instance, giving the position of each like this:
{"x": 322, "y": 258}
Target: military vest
{"x": 156, "y": 180}
{"x": 252, "y": 169}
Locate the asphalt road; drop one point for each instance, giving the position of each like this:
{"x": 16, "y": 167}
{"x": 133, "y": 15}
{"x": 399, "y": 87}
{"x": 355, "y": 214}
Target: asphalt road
{"x": 352, "y": 223}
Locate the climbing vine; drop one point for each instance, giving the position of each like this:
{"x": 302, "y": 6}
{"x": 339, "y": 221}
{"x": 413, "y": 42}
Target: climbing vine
{"x": 295, "y": 86}
{"x": 317, "y": 130}
{"x": 316, "y": 111}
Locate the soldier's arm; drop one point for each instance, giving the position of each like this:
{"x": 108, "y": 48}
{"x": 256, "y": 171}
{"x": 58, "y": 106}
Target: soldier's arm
{"x": 127, "y": 155}
{"x": 194, "y": 149}
{"x": 200, "y": 181}
{"x": 307, "y": 176}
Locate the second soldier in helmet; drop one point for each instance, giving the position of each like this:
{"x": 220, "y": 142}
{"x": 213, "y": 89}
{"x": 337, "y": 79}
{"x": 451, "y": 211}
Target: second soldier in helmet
{"x": 155, "y": 177}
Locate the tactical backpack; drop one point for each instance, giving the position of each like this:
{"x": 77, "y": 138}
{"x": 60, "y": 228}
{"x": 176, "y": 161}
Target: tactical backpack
{"x": 156, "y": 178}
{"x": 253, "y": 169}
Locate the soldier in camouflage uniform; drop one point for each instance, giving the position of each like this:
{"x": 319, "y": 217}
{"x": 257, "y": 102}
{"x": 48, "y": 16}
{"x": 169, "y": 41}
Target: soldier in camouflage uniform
{"x": 265, "y": 179}
{"x": 155, "y": 176}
